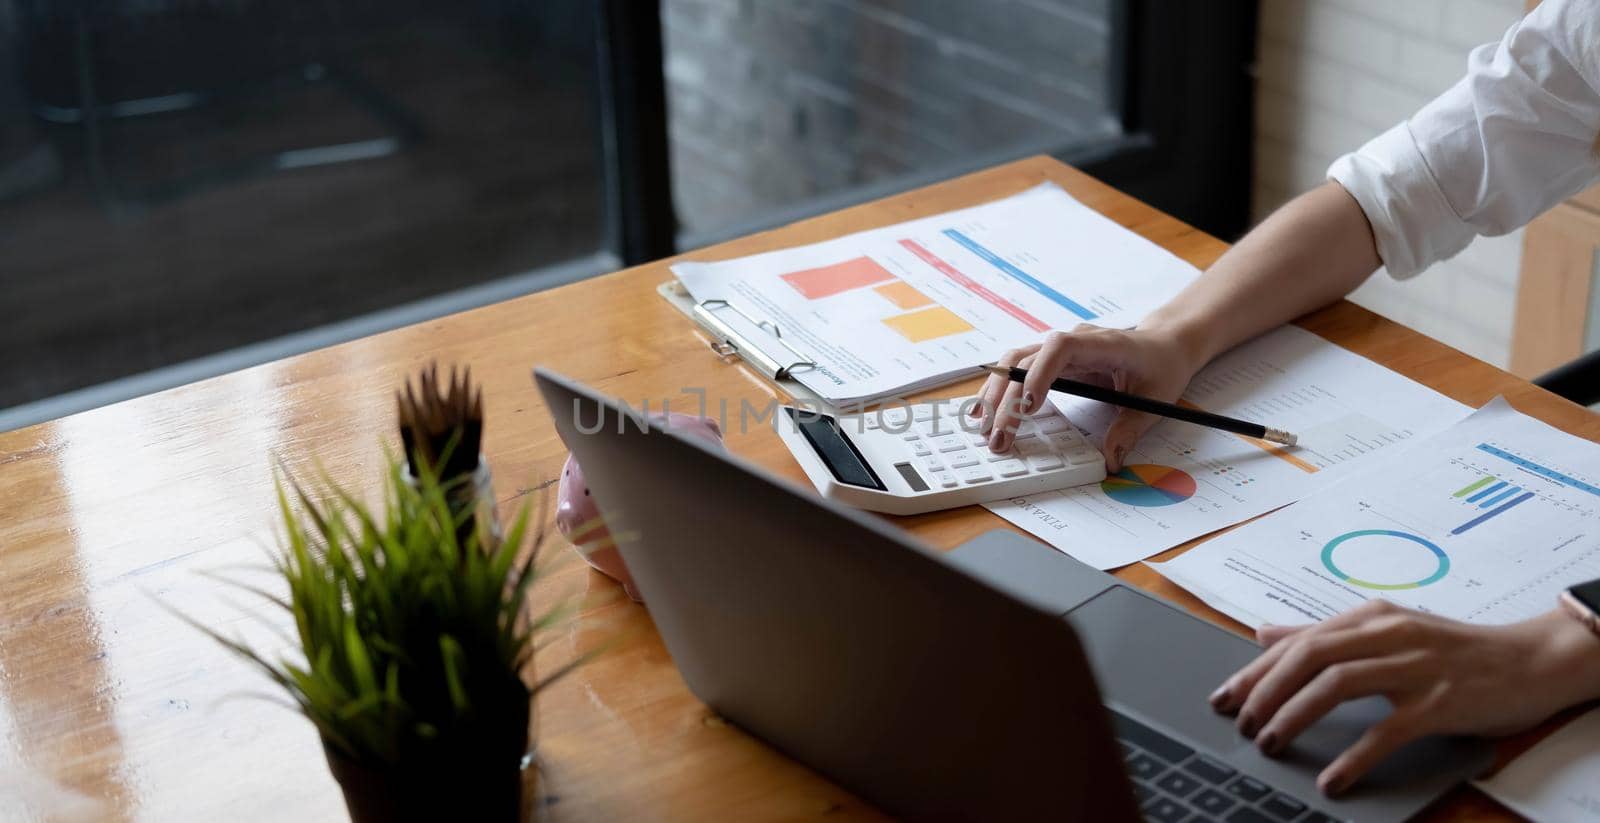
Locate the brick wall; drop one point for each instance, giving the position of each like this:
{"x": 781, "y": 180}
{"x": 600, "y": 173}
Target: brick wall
{"x": 1334, "y": 73}
{"x": 775, "y": 102}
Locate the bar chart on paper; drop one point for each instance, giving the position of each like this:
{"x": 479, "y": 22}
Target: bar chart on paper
{"x": 1485, "y": 522}
{"x": 923, "y": 302}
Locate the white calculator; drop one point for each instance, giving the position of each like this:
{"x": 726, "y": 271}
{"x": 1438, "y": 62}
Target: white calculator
{"x": 930, "y": 456}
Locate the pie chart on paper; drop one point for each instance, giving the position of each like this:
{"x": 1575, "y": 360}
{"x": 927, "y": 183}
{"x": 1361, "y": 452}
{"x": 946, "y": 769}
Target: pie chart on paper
{"x": 1148, "y": 485}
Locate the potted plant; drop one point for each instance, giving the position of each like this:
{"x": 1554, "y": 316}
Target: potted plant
{"x": 414, "y": 642}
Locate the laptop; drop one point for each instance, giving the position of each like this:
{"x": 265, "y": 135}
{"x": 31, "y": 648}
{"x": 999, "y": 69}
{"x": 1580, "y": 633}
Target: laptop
{"x": 1001, "y": 681}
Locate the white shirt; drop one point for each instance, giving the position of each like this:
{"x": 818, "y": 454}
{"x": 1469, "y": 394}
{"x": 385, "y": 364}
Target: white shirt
{"x": 1514, "y": 137}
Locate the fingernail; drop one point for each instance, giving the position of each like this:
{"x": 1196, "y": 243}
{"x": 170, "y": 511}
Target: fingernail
{"x": 1027, "y": 401}
{"x": 1219, "y": 698}
{"x": 1335, "y": 785}
{"x": 1268, "y": 741}
{"x": 1118, "y": 454}
{"x": 1247, "y": 726}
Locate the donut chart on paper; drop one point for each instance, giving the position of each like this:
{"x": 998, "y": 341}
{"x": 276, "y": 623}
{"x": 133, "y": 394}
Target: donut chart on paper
{"x": 1148, "y": 485}
{"x": 1397, "y": 542}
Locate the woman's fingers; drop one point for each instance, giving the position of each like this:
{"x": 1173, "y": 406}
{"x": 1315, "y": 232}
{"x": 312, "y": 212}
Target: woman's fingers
{"x": 1269, "y": 634}
{"x": 1009, "y": 412}
{"x": 1085, "y": 350}
{"x": 995, "y": 387}
{"x": 1125, "y": 430}
{"x": 1311, "y": 653}
{"x": 1329, "y": 688}
{"x": 1233, "y": 691}
{"x": 1375, "y": 744}
{"x": 1301, "y": 661}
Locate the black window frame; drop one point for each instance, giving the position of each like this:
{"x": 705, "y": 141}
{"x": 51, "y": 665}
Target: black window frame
{"x": 1181, "y": 72}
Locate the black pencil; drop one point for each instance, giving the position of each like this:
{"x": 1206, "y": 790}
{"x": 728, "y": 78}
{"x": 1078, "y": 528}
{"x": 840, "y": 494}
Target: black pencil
{"x": 1156, "y": 407}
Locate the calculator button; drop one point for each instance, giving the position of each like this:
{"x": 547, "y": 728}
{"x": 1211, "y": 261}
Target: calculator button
{"x": 977, "y": 438}
{"x": 1064, "y": 440}
{"x": 1045, "y": 462}
{"x": 935, "y": 428}
{"x": 946, "y": 479}
{"x": 921, "y": 449}
{"x": 1032, "y": 446}
{"x": 996, "y": 457}
{"x": 893, "y": 417}
{"x": 976, "y": 474}
{"x": 870, "y": 421}
{"x": 933, "y": 464}
{"x": 1052, "y": 424}
{"x": 1011, "y": 468}
{"x": 922, "y": 413}
{"x": 1082, "y": 455}
{"x": 949, "y": 443}
{"x": 963, "y": 459}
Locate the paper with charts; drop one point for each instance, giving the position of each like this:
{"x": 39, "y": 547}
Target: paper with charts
{"x": 921, "y": 303}
{"x": 1182, "y": 481}
{"x": 1556, "y": 781}
{"x": 1485, "y": 522}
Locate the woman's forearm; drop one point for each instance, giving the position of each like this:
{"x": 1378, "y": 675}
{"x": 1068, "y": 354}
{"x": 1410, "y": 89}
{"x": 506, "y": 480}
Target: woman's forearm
{"x": 1313, "y": 251}
{"x": 1568, "y": 656}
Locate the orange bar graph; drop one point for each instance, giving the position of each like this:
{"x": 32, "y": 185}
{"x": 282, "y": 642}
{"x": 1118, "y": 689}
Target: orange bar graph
{"x": 928, "y": 324}
{"x": 826, "y": 281}
{"x": 904, "y": 295}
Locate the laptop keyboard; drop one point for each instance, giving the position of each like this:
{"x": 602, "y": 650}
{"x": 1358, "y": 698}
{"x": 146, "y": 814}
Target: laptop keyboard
{"x": 1176, "y": 784}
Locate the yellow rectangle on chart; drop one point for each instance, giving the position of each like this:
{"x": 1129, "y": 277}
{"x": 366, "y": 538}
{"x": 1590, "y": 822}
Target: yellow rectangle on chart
{"x": 928, "y": 324}
{"x": 904, "y": 295}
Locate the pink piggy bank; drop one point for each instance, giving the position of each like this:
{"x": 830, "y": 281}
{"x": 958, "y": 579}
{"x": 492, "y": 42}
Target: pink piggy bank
{"x": 578, "y": 517}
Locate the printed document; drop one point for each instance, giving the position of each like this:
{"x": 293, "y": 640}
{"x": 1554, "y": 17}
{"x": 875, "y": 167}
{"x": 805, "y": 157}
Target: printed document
{"x": 1485, "y": 522}
{"x": 1558, "y": 780}
{"x": 922, "y": 303}
{"x": 1182, "y": 480}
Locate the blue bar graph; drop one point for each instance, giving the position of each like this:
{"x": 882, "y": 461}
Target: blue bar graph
{"x": 1542, "y": 471}
{"x": 1499, "y": 497}
{"x": 1489, "y": 514}
{"x": 1028, "y": 280}
{"x": 1486, "y": 492}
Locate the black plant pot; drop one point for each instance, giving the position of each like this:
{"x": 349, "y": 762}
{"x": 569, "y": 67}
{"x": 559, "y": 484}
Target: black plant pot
{"x": 480, "y": 782}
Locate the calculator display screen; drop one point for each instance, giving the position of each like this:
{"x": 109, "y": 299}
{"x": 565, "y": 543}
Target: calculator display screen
{"x": 837, "y": 452}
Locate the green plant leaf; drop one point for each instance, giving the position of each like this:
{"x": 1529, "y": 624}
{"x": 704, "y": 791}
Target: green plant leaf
{"x": 409, "y": 626}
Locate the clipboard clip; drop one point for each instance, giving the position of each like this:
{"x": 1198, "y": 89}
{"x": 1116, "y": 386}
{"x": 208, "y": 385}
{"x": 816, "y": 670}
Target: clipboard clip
{"x": 729, "y": 342}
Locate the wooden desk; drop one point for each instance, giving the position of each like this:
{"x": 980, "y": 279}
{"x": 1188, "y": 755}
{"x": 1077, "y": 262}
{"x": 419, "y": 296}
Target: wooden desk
{"x": 108, "y": 701}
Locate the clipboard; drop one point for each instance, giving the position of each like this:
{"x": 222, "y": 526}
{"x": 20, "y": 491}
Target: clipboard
{"x": 758, "y": 355}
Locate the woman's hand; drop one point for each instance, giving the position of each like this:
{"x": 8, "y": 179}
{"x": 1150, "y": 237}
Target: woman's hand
{"x": 1441, "y": 676}
{"x": 1150, "y": 362}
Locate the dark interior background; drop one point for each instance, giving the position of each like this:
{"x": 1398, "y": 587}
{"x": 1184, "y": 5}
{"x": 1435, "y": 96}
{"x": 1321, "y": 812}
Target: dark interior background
{"x": 180, "y": 178}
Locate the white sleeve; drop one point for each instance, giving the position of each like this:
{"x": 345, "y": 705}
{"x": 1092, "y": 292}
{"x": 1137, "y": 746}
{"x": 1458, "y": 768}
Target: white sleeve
{"x": 1508, "y": 141}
